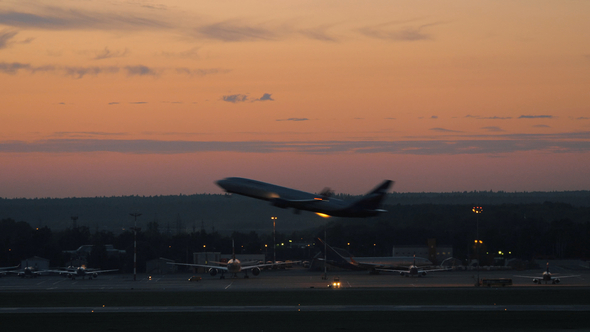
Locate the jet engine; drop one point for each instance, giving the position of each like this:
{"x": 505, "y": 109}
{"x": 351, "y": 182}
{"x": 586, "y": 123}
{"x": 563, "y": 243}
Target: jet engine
{"x": 423, "y": 273}
{"x": 94, "y": 275}
{"x": 402, "y": 274}
{"x": 536, "y": 281}
{"x": 213, "y": 272}
{"x": 255, "y": 271}
{"x": 556, "y": 281}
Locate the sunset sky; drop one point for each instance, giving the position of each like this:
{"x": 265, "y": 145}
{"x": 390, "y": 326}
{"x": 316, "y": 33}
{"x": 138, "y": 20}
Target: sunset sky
{"x": 111, "y": 98}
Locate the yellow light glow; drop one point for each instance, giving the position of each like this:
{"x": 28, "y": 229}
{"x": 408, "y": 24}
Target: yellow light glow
{"x": 323, "y": 215}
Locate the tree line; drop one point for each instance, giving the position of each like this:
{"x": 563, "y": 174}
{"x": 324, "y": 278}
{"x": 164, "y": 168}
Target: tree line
{"x": 525, "y": 231}
{"x": 20, "y": 241}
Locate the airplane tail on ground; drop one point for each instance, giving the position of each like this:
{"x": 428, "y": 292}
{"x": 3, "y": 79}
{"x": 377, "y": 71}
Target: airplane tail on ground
{"x": 336, "y": 258}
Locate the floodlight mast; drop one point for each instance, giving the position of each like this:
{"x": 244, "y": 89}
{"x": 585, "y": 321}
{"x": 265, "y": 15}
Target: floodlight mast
{"x": 274, "y": 242}
{"x": 477, "y": 210}
{"x": 135, "y": 229}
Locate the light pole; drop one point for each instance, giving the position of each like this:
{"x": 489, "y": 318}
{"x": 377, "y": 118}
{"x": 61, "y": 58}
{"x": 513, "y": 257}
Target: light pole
{"x": 274, "y": 241}
{"x": 325, "y": 276}
{"x": 135, "y": 229}
{"x": 477, "y": 210}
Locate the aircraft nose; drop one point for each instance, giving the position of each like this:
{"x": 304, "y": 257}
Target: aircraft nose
{"x": 222, "y": 183}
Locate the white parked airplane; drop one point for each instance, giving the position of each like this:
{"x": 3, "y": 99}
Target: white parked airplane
{"x": 413, "y": 270}
{"x": 233, "y": 266}
{"x": 26, "y": 272}
{"x": 5, "y": 270}
{"x": 547, "y": 277}
{"x": 73, "y": 272}
{"x": 322, "y": 204}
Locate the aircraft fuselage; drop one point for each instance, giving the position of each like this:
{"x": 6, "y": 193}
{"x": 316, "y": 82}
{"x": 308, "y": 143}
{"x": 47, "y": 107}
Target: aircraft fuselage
{"x": 291, "y": 198}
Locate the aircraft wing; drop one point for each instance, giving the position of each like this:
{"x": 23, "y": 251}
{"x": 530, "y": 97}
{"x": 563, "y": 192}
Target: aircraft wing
{"x": 102, "y": 271}
{"x": 436, "y": 270}
{"x": 59, "y": 271}
{"x": 9, "y": 268}
{"x": 368, "y": 265}
{"x": 250, "y": 267}
{"x": 269, "y": 264}
{"x": 390, "y": 270}
{"x": 223, "y": 268}
{"x": 75, "y": 273}
{"x": 561, "y": 277}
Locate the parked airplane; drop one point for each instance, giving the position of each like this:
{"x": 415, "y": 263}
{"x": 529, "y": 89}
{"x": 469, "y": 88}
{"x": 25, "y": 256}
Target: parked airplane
{"x": 233, "y": 266}
{"x": 73, "y": 272}
{"x": 338, "y": 257}
{"x": 27, "y": 272}
{"x": 413, "y": 270}
{"x": 5, "y": 270}
{"x": 547, "y": 277}
{"x": 322, "y": 204}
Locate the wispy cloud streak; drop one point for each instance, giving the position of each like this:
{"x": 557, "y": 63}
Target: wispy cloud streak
{"x": 568, "y": 142}
{"x": 54, "y": 18}
{"x": 5, "y": 37}
{"x": 80, "y": 72}
{"x": 391, "y": 31}
{"x": 536, "y": 117}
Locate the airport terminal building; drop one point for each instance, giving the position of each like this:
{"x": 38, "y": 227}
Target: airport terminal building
{"x": 436, "y": 254}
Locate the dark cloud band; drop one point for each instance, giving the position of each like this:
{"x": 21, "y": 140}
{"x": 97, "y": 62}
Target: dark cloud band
{"x": 414, "y": 147}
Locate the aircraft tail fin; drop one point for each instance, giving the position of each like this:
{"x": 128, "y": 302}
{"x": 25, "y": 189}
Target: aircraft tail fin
{"x": 373, "y": 199}
{"x": 337, "y": 258}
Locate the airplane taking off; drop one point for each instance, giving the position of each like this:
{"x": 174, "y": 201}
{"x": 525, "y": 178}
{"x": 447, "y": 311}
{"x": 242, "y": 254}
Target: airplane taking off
{"x": 322, "y": 204}
{"x": 547, "y": 277}
{"x": 413, "y": 270}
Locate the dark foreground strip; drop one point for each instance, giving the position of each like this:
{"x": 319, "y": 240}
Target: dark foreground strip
{"x": 307, "y": 308}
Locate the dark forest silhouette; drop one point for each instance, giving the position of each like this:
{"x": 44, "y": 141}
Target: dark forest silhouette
{"x": 528, "y": 225}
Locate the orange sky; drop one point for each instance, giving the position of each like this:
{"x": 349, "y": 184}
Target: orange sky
{"x": 164, "y": 97}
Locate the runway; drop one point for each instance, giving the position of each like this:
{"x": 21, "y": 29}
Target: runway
{"x": 295, "y": 300}
{"x": 292, "y": 279}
